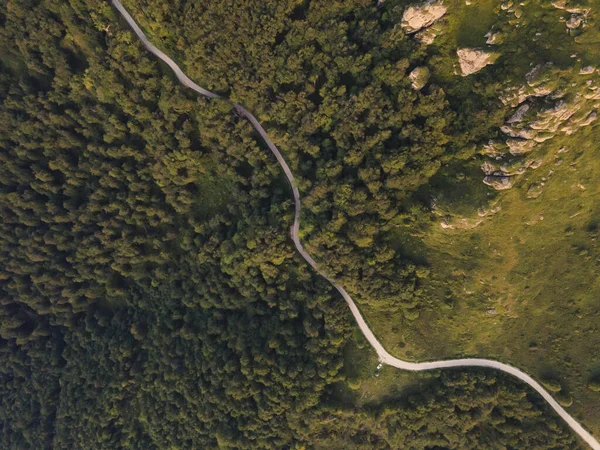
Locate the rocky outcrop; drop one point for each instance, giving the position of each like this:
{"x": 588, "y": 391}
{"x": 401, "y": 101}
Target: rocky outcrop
{"x": 578, "y": 15}
{"x": 540, "y": 83}
{"x": 547, "y": 105}
{"x": 472, "y": 60}
{"x": 520, "y": 146}
{"x": 499, "y": 183}
{"x": 567, "y": 6}
{"x": 551, "y": 119}
{"x": 453, "y": 222}
{"x": 493, "y": 149}
{"x": 574, "y": 21}
{"x": 518, "y": 114}
{"x": 419, "y": 77}
{"x": 580, "y": 121}
{"x": 428, "y": 35}
{"x": 417, "y": 17}
{"x": 588, "y": 70}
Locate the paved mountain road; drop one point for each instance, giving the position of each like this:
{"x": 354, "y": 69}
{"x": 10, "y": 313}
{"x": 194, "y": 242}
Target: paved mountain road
{"x": 384, "y": 356}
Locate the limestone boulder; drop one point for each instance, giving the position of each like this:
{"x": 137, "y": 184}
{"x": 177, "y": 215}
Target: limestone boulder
{"x": 419, "y": 77}
{"x": 472, "y": 60}
{"x": 417, "y": 17}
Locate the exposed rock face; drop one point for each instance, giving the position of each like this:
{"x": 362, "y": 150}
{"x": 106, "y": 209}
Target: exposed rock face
{"x": 498, "y": 183}
{"x": 574, "y": 22}
{"x": 536, "y": 164}
{"x": 519, "y": 114}
{"x": 550, "y": 120}
{"x": 417, "y": 17}
{"x": 453, "y": 222}
{"x": 472, "y": 60}
{"x": 419, "y": 77}
{"x": 579, "y": 122}
{"x": 428, "y": 35}
{"x": 540, "y": 83}
{"x": 590, "y": 118}
{"x": 488, "y": 168}
{"x": 514, "y": 132}
{"x": 565, "y": 4}
{"x": 493, "y": 149}
{"x": 587, "y": 70}
{"x": 520, "y": 146}
{"x": 545, "y": 107}
{"x": 543, "y": 137}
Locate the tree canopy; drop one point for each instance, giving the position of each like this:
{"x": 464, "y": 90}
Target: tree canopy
{"x": 149, "y": 294}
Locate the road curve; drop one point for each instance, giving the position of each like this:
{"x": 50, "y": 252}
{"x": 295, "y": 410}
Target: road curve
{"x": 384, "y": 356}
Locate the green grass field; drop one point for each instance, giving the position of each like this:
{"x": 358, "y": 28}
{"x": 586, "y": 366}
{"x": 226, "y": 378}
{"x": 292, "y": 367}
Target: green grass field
{"x": 523, "y": 285}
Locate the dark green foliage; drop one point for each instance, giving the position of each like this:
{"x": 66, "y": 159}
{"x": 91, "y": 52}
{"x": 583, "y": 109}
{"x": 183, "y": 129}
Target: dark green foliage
{"x": 460, "y": 411}
{"x": 183, "y": 319}
{"x": 329, "y": 81}
{"x": 149, "y": 294}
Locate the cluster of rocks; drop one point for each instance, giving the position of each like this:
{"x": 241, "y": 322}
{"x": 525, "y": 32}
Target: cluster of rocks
{"x": 419, "y": 20}
{"x": 452, "y": 222}
{"x": 513, "y": 7}
{"x": 578, "y": 15}
{"x": 542, "y": 111}
{"x": 542, "y": 106}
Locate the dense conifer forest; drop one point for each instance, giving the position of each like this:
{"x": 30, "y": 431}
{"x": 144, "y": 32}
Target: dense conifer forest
{"x": 150, "y": 296}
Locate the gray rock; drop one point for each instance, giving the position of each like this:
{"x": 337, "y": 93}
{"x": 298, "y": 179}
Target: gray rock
{"x": 564, "y": 4}
{"x": 518, "y": 114}
{"x": 589, "y": 119}
{"x": 493, "y": 148}
{"x": 493, "y": 38}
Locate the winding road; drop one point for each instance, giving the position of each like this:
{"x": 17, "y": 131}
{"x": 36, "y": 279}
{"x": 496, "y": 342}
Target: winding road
{"x": 384, "y": 356}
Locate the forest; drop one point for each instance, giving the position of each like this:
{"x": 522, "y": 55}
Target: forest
{"x": 150, "y": 296}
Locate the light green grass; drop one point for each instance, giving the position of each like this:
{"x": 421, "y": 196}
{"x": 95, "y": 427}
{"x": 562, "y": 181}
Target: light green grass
{"x": 540, "y": 276}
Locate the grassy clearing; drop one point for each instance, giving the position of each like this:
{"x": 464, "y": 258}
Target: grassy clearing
{"x": 363, "y": 388}
{"x": 522, "y": 286}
